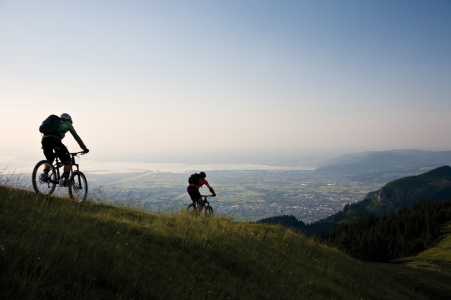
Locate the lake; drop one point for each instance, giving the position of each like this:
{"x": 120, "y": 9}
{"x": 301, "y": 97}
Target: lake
{"x": 12, "y": 165}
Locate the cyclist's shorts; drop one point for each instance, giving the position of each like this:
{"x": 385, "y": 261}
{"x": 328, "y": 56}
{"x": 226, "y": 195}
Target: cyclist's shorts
{"x": 49, "y": 143}
{"x": 194, "y": 193}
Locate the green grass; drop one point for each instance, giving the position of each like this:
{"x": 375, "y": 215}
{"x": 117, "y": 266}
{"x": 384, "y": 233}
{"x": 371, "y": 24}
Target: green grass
{"x": 442, "y": 252}
{"x": 429, "y": 272}
{"x": 53, "y": 248}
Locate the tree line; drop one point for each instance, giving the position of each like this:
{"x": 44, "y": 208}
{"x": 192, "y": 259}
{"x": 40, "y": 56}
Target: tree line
{"x": 400, "y": 234}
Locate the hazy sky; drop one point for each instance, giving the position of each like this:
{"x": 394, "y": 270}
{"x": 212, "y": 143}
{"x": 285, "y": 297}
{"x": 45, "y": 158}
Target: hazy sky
{"x": 145, "y": 76}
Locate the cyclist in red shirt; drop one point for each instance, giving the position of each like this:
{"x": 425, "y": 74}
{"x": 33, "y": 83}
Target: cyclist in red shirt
{"x": 193, "y": 189}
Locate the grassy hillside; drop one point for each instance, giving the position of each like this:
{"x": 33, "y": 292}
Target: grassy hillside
{"x": 429, "y": 272}
{"x": 442, "y": 252}
{"x": 400, "y": 234}
{"x": 53, "y": 248}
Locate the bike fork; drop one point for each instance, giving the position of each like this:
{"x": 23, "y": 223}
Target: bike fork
{"x": 78, "y": 173}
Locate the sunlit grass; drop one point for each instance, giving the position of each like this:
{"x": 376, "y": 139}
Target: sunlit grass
{"x": 52, "y": 247}
{"x": 429, "y": 272}
{"x": 442, "y": 251}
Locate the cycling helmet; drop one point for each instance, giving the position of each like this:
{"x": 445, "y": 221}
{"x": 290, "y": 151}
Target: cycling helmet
{"x": 66, "y": 117}
{"x": 202, "y": 175}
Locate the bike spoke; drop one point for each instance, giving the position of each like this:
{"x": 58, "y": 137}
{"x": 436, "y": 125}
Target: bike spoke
{"x": 44, "y": 183}
{"x": 79, "y": 189}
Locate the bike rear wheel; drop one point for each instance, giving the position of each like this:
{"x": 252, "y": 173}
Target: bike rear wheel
{"x": 78, "y": 189}
{"x": 191, "y": 209}
{"x": 44, "y": 185}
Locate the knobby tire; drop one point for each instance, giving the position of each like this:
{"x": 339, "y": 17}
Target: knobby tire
{"x": 40, "y": 186}
{"x": 78, "y": 191}
{"x": 209, "y": 211}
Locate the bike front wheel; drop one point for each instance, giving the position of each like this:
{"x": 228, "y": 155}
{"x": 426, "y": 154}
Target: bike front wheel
{"x": 209, "y": 211}
{"x": 44, "y": 184}
{"x": 78, "y": 189}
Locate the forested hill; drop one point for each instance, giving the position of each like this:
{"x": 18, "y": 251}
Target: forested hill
{"x": 384, "y": 238}
{"x": 395, "y": 195}
{"x": 400, "y": 193}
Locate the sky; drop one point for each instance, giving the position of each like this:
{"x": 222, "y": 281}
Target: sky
{"x": 161, "y": 76}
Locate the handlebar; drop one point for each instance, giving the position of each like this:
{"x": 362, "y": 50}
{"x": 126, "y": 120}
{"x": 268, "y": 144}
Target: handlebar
{"x": 76, "y": 153}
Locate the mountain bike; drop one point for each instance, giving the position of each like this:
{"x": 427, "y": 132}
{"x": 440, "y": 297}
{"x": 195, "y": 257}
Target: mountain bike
{"x": 204, "y": 204}
{"x": 45, "y": 185}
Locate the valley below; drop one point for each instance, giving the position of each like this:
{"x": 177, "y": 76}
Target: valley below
{"x": 246, "y": 195}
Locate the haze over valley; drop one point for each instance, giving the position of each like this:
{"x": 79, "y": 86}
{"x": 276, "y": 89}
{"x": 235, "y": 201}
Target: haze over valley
{"x": 309, "y": 195}
{"x": 309, "y": 186}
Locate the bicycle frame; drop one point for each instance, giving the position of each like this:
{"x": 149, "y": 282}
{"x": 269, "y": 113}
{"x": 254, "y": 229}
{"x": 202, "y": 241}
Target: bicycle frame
{"x": 203, "y": 202}
{"x": 58, "y": 164}
{"x": 72, "y": 164}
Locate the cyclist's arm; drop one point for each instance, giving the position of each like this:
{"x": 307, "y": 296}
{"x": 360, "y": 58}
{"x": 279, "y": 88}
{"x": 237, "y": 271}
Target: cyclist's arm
{"x": 76, "y": 137}
{"x": 211, "y": 190}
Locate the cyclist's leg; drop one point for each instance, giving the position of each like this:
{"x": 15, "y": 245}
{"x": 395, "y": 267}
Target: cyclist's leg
{"x": 63, "y": 154}
{"x": 195, "y": 196}
{"x": 47, "y": 147}
{"x": 199, "y": 205}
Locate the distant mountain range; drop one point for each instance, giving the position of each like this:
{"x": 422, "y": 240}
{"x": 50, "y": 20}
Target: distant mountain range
{"x": 383, "y": 161}
{"x": 395, "y": 195}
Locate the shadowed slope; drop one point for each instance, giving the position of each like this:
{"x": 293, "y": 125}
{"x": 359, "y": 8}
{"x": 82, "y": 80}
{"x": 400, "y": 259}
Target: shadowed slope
{"x": 56, "y": 249}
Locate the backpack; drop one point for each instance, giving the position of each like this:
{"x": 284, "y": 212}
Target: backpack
{"x": 50, "y": 125}
{"x": 194, "y": 179}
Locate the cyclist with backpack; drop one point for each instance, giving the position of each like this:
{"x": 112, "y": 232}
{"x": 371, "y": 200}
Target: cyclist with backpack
{"x": 54, "y": 129}
{"x": 196, "y": 181}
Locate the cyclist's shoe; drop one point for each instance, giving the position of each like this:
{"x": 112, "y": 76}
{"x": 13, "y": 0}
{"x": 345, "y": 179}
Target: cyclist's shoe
{"x": 44, "y": 177}
{"x": 64, "y": 182}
